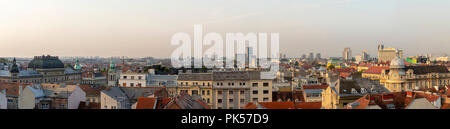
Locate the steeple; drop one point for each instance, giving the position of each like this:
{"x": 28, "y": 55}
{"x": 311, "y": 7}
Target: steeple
{"x": 14, "y": 68}
{"x": 112, "y": 66}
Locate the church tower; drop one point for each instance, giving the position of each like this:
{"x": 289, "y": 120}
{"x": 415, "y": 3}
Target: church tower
{"x": 112, "y": 74}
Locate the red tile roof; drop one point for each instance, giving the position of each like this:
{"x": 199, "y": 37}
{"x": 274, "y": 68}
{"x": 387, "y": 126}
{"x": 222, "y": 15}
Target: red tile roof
{"x": 250, "y": 106}
{"x": 363, "y": 103}
{"x": 375, "y": 70}
{"x": 278, "y": 105}
{"x": 345, "y": 74}
{"x": 308, "y": 105}
{"x": 348, "y": 70}
{"x": 146, "y": 103}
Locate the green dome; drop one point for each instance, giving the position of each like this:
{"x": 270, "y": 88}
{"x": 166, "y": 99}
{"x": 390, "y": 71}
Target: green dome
{"x": 77, "y": 65}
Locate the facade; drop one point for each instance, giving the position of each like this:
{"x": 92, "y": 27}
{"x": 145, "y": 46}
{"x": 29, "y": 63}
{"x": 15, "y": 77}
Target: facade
{"x": 225, "y": 89}
{"x": 95, "y": 79}
{"x": 330, "y": 98}
{"x": 388, "y": 54}
{"x": 133, "y": 79}
{"x": 408, "y": 78}
{"x": 42, "y": 69}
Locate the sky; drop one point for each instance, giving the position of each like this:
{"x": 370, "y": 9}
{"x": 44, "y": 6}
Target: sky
{"x": 141, "y": 28}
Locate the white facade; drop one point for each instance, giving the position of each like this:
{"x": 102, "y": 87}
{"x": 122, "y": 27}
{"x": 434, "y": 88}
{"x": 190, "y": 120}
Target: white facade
{"x": 132, "y": 79}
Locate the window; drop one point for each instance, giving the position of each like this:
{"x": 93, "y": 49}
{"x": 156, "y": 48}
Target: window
{"x": 242, "y": 100}
{"x": 195, "y": 92}
{"x": 265, "y": 84}
{"x": 219, "y": 92}
{"x": 207, "y": 101}
{"x": 203, "y": 92}
{"x": 242, "y": 92}
{"x": 231, "y": 92}
{"x": 230, "y": 100}
{"x": 266, "y": 99}
{"x": 140, "y": 77}
{"x": 255, "y": 99}
{"x": 131, "y": 84}
{"x": 219, "y": 100}
{"x": 132, "y": 77}
{"x": 255, "y": 84}
{"x": 124, "y": 84}
{"x": 124, "y": 77}
{"x": 207, "y": 92}
{"x": 255, "y": 91}
{"x": 266, "y": 92}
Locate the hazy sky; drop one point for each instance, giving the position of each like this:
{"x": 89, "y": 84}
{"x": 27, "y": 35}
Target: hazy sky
{"x": 139, "y": 28}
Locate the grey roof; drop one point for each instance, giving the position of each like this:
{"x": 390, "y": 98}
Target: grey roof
{"x": 195, "y": 76}
{"x": 236, "y": 75}
{"x": 168, "y": 80}
{"x": 70, "y": 71}
{"x": 45, "y": 62}
{"x": 134, "y": 93}
{"x": 186, "y": 101}
{"x": 115, "y": 92}
{"x": 22, "y": 73}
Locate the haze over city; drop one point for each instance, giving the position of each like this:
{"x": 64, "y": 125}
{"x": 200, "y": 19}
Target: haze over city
{"x": 141, "y": 28}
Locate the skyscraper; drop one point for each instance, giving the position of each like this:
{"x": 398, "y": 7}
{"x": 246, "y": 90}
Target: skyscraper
{"x": 318, "y": 56}
{"x": 347, "y": 54}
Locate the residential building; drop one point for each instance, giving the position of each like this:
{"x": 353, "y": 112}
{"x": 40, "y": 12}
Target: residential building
{"x": 133, "y": 79}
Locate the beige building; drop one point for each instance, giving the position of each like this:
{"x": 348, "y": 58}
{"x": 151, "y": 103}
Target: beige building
{"x": 388, "y": 54}
{"x": 330, "y": 98}
{"x": 225, "y": 89}
{"x": 407, "y": 78}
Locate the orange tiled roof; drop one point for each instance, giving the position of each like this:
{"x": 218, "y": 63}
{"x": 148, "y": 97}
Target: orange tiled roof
{"x": 345, "y": 74}
{"x": 375, "y": 70}
{"x": 278, "y": 105}
{"x": 250, "y": 106}
{"x": 308, "y": 105}
{"x": 146, "y": 103}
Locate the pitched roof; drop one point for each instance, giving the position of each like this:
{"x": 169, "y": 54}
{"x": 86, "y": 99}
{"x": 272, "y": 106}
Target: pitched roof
{"x": 12, "y": 89}
{"x": 277, "y": 105}
{"x": 250, "y": 106}
{"x": 375, "y": 70}
{"x": 308, "y": 105}
{"x": 146, "y": 103}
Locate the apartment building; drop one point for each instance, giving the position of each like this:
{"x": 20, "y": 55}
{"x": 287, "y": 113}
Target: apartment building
{"x": 132, "y": 79}
{"x": 225, "y": 89}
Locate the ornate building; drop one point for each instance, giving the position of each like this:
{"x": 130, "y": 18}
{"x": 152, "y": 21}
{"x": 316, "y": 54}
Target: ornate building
{"x": 42, "y": 69}
{"x": 408, "y": 78}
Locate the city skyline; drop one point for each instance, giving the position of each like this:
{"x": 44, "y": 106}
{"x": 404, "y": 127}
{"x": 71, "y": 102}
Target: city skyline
{"x": 108, "y": 28}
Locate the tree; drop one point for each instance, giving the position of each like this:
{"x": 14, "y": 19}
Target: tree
{"x": 331, "y": 66}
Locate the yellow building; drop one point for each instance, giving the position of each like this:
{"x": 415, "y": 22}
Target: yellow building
{"x": 194, "y": 84}
{"x": 330, "y": 98}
